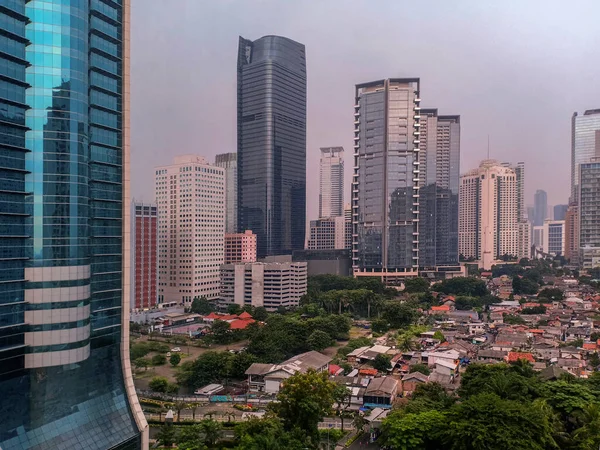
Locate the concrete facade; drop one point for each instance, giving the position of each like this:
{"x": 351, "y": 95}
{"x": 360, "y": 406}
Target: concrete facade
{"x": 331, "y": 182}
{"x": 240, "y": 247}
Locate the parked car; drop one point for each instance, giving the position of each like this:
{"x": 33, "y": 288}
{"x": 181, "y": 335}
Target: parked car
{"x": 176, "y": 349}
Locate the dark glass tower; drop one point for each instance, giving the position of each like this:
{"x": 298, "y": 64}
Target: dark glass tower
{"x": 272, "y": 143}
{"x": 65, "y": 381}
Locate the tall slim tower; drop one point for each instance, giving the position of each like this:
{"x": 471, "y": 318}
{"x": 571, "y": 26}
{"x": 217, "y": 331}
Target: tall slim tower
{"x": 228, "y": 161}
{"x": 271, "y": 134}
{"x": 589, "y": 211}
{"x": 540, "y": 207}
{"x": 439, "y": 173}
{"x": 385, "y": 185}
{"x": 144, "y": 255}
{"x": 585, "y": 143}
{"x": 65, "y": 377}
{"x": 331, "y": 182}
{"x": 190, "y": 196}
{"x": 489, "y": 228}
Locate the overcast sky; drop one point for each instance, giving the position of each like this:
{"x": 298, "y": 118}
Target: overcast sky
{"x": 515, "y": 70}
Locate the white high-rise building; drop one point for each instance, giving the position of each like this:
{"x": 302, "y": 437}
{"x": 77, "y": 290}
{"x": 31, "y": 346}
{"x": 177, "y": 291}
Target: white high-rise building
{"x": 190, "y": 196}
{"x": 228, "y": 161}
{"x": 328, "y": 234}
{"x": 331, "y": 194}
{"x": 488, "y": 214}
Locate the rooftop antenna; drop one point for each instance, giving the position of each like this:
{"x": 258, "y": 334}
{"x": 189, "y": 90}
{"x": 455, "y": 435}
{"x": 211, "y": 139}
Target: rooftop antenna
{"x": 488, "y": 157}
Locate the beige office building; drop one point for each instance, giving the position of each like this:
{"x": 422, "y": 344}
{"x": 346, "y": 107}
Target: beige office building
{"x": 488, "y": 214}
{"x": 190, "y": 196}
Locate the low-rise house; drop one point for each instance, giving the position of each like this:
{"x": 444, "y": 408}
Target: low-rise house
{"x": 516, "y": 356}
{"x": 578, "y": 333}
{"x": 476, "y": 328}
{"x": 268, "y": 377}
{"x": 381, "y": 392}
{"x": 570, "y": 352}
{"x": 411, "y": 381}
{"x": 431, "y": 358}
{"x": 446, "y": 367}
{"x": 496, "y": 317}
{"x": 491, "y": 355}
{"x": 546, "y": 351}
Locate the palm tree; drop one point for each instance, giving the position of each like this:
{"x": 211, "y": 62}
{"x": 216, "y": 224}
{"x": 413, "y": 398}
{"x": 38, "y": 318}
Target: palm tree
{"x": 166, "y": 435}
{"x": 588, "y": 435}
{"x": 194, "y": 407}
{"x": 229, "y": 415}
{"x": 179, "y": 405}
{"x": 212, "y": 431}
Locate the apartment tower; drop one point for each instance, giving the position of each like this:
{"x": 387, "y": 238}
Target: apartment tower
{"x": 488, "y": 222}
{"x": 228, "y": 161}
{"x": 331, "y": 182}
{"x": 385, "y": 183}
{"x": 144, "y": 255}
{"x": 65, "y": 377}
{"x": 190, "y": 196}
{"x": 271, "y": 133}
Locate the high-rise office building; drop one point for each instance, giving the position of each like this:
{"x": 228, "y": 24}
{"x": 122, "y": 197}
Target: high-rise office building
{"x": 271, "y": 284}
{"x": 589, "y": 213}
{"x": 271, "y": 133}
{"x": 331, "y": 182}
{"x": 385, "y": 184}
{"x": 65, "y": 377}
{"x": 228, "y": 161}
{"x": 488, "y": 224}
{"x": 144, "y": 258}
{"x": 572, "y": 234}
{"x": 190, "y": 196}
{"x": 348, "y": 226}
{"x": 540, "y": 208}
{"x": 240, "y": 247}
{"x": 554, "y": 237}
{"x": 560, "y": 211}
{"x": 327, "y": 234}
{"x": 585, "y": 143}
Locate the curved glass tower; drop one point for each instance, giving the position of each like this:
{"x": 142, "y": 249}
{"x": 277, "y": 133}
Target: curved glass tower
{"x": 272, "y": 143}
{"x": 65, "y": 381}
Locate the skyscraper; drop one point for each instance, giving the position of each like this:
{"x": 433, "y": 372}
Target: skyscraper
{"x": 439, "y": 173}
{"x": 540, "y": 207}
{"x": 560, "y": 211}
{"x": 331, "y": 182}
{"x": 589, "y": 211}
{"x": 328, "y": 233}
{"x": 190, "y": 196}
{"x": 488, "y": 224}
{"x": 228, "y": 161}
{"x": 144, "y": 255}
{"x": 271, "y": 121}
{"x": 385, "y": 184}
{"x": 64, "y": 311}
{"x": 585, "y": 143}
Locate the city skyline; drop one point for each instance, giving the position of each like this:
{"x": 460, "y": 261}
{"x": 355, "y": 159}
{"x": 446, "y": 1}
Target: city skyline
{"x": 543, "y": 141}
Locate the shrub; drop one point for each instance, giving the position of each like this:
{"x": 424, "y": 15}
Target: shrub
{"x": 159, "y": 384}
{"x": 159, "y": 360}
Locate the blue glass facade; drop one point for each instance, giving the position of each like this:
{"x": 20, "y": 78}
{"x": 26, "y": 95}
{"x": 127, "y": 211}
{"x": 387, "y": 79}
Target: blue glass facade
{"x": 272, "y": 143}
{"x": 61, "y": 226}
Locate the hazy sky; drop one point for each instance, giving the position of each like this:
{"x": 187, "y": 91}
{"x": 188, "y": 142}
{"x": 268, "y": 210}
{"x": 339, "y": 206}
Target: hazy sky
{"x": 514, "y": 70}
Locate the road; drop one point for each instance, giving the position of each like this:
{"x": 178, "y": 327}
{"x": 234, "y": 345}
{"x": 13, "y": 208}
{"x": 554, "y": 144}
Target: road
{"x": 362, "y": 443}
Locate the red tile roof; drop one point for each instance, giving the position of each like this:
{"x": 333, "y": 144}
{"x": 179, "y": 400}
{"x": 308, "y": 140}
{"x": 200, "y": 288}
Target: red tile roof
{"x": 333, "y": 369}
{"x": 228, "y": 317}
{"x": 589, "y": 346}
{"x": 515, "y": 356}
{"x": 239, "y": 324}
{"x": 440, "y": 308}
{"x": 245, "y": 315}
{"x": 213, "y": 315}
{"x": 372, "y": 372}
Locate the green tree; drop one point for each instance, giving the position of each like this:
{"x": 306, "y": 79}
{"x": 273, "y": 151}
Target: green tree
{"x": 172, "y": 388}
{"x": 513, "y": 319}
{"x": 485, "y": 421}
{"x": 304, "y": 399}
{"x": 439, "y": 336}
{"x": 382, "y": 362}
{"x": 175, "y": 359}
{"x": 202, "y": 306}
{"x": 159, "y": 384}
{"x": 239, "y": 363}
{"x": 398, "y": 315}
{"x": 414, "y": 431}
{"x": 159, "y": 360}
{"x": 211, "y": 429}
{"x": 260, "y": 313}
{"x": 417, "y": 284}
{"x": 166, "y": 435}
{"x": 138, "y": 350}
{"x": 190, "y": 438}
{"x": 469, "y": 286}
{"x": 319, "y": 340}
{"x": 142, "y": 363}
{"x": 587, "y": 436}
{"x": 209, "y": 367}
{"x": 342, "y": 397}
{"x": 422, "y": 368}
{"x": 268, "y": 434}
{"x": 220, "y": 331}
{"x": 594, "y": 360}
{"x": 234, "y": 308}
{"x": 550, "y": 295}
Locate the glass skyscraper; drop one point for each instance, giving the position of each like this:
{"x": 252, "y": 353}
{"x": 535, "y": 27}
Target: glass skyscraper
{"x": 65, "y": 381}
{"x": 385, "y": 184}
{"x": 271, "y": 121}
{"x": 228, "y": 161}
{"x": 585, "y": 143}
